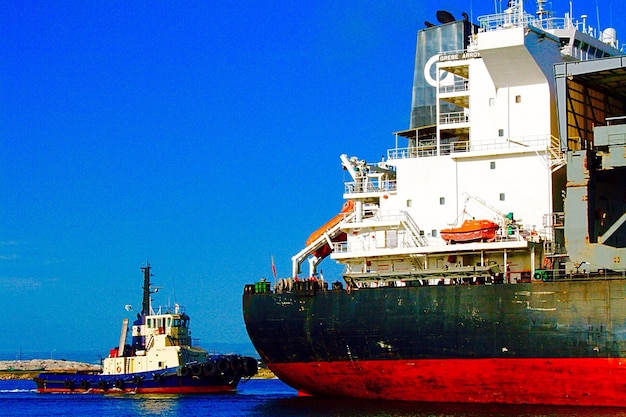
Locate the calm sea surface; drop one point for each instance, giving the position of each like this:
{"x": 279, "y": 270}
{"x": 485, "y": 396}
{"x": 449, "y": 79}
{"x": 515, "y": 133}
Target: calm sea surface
{"x": 254, "y": 398}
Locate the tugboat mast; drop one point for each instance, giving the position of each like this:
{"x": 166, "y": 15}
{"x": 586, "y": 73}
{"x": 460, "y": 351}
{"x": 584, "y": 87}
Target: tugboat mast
{"x": 145, "y": 308}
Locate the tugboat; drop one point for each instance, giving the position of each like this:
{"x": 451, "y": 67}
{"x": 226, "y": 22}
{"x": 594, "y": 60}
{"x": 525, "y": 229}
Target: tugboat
{"x": 160, "y": 360}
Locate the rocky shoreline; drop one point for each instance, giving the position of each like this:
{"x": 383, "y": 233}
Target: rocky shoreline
{"x": 31, "y": 368}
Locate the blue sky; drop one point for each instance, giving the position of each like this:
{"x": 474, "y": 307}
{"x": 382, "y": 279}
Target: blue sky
{"x": 203, "y": 136}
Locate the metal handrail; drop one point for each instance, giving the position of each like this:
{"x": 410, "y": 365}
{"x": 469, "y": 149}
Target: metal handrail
{"x": 494, "y": 144}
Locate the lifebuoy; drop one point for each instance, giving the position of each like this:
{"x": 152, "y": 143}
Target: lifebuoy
{"x": 119, "y": 369}
{"x": 547, "y": 263}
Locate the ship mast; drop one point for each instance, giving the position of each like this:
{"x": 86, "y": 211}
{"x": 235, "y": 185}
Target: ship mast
{"x": 145, "y": 308}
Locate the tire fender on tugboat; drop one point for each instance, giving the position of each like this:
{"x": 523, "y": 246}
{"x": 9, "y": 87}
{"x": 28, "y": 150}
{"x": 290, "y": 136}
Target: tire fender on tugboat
{"x": 210, "y": 368}
{"x": 235, "y": 364}
{"x": 222, "y": 365}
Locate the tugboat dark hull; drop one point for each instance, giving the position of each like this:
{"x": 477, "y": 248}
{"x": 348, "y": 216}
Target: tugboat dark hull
{"x": 559, "y": 343}
{"x": 195, "y": 379}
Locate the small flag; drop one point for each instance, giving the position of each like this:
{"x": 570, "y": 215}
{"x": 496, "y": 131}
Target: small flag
{"x": 273, "y": 267}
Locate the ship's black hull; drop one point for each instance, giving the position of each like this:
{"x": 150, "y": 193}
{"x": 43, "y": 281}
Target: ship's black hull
{"x": 422, "y": 340}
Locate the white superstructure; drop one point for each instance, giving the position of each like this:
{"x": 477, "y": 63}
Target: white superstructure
{"x": 490, "y": 151}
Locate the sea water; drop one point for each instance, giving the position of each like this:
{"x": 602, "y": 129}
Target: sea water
{"x": 256, "y": 397}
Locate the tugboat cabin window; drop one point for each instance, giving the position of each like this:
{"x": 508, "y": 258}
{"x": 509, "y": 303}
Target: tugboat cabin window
{"x": 442, "y": 201}
{"x": 501, "y": 196}
{"x": 492, "y": 164}
{"x": 518, "y": 99}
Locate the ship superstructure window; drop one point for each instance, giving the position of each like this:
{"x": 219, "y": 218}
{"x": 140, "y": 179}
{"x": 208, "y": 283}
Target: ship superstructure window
{"x": 409, "y": 203}
{"x": 492, "y": 102}
{"x": 518, "y": 99}
{"x": 501, "y": 196}
{"x": 434, "y": 233}
{"x": 442, "y": 201}
{"x": 501, "y": 132}
{"x": 492, "y": 165}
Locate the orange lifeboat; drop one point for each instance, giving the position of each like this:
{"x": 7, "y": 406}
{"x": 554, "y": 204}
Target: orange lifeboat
{"x": 348, "y": 207}
{"x": 471, "y": 231}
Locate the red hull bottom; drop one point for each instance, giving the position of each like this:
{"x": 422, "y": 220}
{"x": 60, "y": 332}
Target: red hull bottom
{"x": 580, "y": 382}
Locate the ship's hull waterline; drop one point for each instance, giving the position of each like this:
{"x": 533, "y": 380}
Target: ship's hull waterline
{"x": 555, "y": 343}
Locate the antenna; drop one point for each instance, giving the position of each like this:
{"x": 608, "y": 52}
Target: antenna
{"x": 598, "y": 18}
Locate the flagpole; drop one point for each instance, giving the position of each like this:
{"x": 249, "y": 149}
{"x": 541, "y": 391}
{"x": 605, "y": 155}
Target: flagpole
{"x": 274, "y": 271}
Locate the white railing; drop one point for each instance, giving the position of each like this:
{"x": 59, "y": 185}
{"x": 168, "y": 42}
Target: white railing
{"x": 488, "y": 145}
{"x": 369, "y": 187}
{"x": 511, "y": 143}
{"x": 506, "y": 20}
{"x": 453, "y": 118}
{"x": 458, "y": 86}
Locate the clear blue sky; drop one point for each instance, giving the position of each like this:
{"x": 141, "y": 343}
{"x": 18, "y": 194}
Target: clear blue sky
{"x": 203, "y": 136}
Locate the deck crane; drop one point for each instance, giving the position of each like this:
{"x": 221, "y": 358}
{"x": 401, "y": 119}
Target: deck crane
{"x": 506, "y": 220}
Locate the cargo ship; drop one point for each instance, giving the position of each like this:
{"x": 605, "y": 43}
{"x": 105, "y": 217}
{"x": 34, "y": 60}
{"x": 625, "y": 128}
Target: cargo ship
{"x": 160, "y": 360}
{"x": 484, "y": 257}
